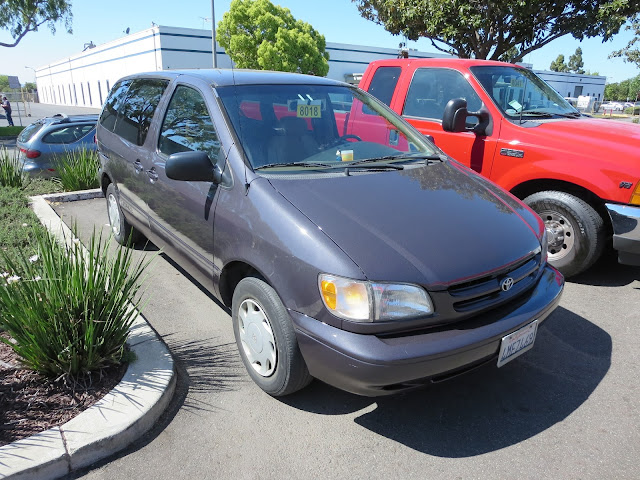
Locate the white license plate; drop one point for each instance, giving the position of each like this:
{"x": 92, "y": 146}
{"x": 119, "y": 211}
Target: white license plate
{"x": 516, "y": 343}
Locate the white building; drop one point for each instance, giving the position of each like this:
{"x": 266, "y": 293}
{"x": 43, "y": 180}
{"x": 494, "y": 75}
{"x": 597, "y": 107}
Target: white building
{"x": 575, "y": 85}
{"x": 86, "y": 78}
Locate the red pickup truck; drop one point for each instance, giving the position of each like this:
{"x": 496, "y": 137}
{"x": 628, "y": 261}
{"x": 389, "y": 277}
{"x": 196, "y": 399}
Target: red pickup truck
{"x": 580, "y": 174}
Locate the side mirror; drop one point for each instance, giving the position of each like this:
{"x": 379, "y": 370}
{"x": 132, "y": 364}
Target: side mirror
{"x": 192, "y": 166}
{"x": 454, "y": 117}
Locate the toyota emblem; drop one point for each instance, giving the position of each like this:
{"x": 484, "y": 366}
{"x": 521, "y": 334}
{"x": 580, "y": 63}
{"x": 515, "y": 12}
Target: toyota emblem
{"x": 506, "y": 284}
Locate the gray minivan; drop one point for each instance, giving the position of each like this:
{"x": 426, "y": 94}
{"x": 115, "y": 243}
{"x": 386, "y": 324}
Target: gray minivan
{"x": 348, "y": 247}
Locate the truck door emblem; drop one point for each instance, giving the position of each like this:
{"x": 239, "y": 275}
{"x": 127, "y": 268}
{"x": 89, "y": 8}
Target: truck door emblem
{"x": 506, "y": 284}
{"x": 510, "y": 152}
{"x": 626, "y": 185}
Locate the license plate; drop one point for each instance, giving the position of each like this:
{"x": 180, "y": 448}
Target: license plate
{"x": 516, "y": 343}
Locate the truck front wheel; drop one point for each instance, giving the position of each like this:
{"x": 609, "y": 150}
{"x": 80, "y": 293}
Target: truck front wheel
{"x": 575, "y": 231}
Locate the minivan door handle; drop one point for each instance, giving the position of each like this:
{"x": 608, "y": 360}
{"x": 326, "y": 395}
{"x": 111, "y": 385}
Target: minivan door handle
{"x": 153, "y": 176}
{"x": 137, "y": 165}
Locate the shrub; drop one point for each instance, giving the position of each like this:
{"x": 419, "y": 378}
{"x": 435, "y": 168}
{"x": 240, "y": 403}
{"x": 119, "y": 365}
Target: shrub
{"x": 11, "y": 174}
{"x": 70, "y": 310}
{"x": 78, "y": 169}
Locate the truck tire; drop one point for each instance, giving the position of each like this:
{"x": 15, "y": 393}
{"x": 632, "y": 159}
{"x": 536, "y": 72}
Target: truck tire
{"x": 575, "y": 231}
{"x": 266, "y": 340}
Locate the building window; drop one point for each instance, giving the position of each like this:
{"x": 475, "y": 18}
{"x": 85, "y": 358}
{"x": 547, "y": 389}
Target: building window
{"x": 89, "y": 92}
{"x": 82, "y": 91}
{"x": 100, "y": 92}
{"x": 75, "y": 94}
{"x": 108, "y": 87}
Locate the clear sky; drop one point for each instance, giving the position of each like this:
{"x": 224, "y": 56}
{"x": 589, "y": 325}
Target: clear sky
{"x": 338, "y": 20}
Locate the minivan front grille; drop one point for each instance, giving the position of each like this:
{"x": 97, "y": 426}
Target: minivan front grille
{"x": 486, "y": 292}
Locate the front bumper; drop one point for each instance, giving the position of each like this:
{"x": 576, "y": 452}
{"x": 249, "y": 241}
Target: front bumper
{"x": 625, "y": 220}
{"x": 377, "y": 365}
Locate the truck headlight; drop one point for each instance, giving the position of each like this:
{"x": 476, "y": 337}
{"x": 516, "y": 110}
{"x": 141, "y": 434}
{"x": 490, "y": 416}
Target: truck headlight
{"x": 363, "y": 301}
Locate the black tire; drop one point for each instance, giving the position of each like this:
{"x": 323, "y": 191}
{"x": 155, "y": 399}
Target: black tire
{"x": 122, "y": 231}
{"x": 576, "y": 232}
{"x": 286, "y": 373}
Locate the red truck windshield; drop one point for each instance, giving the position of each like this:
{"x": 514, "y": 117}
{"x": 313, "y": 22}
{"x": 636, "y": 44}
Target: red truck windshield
{"x": 520, "y": 92}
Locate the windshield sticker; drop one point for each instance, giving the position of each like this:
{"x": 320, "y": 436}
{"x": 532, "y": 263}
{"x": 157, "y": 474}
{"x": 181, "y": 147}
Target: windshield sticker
{"x": 311, "y": 109}
{"x": 516, "y": 105}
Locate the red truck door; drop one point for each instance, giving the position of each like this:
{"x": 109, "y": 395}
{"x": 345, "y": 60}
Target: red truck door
{"x": 426, "y": 93}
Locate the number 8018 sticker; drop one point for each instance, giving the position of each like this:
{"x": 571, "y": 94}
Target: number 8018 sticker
{"x": 309, "y": 111}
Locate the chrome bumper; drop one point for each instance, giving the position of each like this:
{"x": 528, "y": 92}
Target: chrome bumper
{"x": 625, "y": 220}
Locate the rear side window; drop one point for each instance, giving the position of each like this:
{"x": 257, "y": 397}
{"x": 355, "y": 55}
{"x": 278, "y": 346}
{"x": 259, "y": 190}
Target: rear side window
{"x": 138, "y": 108}
{"x": 67, "y": 134}
{"x": 384, "y": 83}
{"x": 187, "y": 125}
{"x": 28, "y": 133}
{"x": 113, "y": 105}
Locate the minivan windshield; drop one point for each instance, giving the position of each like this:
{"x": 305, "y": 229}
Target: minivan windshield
{"x": 520, "y": 93}
{"x": 310, "y": 128}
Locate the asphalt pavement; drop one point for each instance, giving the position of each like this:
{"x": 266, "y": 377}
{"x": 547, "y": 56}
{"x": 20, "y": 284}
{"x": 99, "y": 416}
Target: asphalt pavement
{"x": 569, "y": 408}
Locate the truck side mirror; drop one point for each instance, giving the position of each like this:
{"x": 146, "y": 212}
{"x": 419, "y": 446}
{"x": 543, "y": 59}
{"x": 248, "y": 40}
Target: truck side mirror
{"x": 454, "y": 117}
{"x": 192, "y": 166}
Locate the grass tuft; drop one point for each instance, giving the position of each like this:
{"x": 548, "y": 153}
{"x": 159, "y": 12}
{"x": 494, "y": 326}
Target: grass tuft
{"x": 68, "y": 309}
{"x": 78, "y": 170}
{"x": 11, "y": 174}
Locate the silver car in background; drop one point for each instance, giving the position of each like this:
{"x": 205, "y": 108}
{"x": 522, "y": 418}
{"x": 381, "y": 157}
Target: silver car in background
{"x": 42, "y": 141}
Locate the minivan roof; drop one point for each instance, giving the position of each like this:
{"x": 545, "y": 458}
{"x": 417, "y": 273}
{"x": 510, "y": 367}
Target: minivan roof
{"x": 227, "y": 77}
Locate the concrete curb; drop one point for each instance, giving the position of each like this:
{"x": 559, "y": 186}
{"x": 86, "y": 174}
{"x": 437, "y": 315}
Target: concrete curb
{"x": 119, "y": 418}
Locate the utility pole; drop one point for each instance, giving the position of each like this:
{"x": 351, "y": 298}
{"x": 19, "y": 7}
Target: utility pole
{"x": 213, "y": 34}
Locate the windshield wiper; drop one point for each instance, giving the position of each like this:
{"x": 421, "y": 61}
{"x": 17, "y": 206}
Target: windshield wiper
{"x": 537, "y": 113}
{"x": 402, "y": 156}
{"x": 295, "y": 164}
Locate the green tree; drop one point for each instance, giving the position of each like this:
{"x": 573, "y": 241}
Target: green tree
{"x": 30, "y": 86}
{"x": 575, "y": 62}
{"x": 630, "y": 53}
{"x": 20, "y": 17}
{"x": 489, "y": 29}
{"x": 558, "y": 65}
{"x": 4, "y": 83}
{"x": 258, "y": 34}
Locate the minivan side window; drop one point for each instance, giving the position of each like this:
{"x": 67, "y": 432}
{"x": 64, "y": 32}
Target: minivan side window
{"x": 187, "y": 125}
{"x": 384, "y": 82}
{"x": 113, "y": 105}
{"x": 138, "y": 109}
{"x": 432, "y": 88}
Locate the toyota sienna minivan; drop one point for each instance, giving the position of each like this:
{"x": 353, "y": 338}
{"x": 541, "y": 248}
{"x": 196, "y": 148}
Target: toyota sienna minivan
{"x": 348, "y": 247}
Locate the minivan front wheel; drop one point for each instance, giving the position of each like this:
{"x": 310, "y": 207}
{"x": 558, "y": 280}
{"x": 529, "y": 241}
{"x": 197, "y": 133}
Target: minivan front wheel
{"x": 266, "y": 340}
{"x": 122, "y": 231}
{"x": 575, "y": 231}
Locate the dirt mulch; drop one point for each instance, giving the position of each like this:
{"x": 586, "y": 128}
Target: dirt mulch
{"x": 30, "y": 403}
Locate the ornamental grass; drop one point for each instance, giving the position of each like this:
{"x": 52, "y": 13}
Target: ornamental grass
{"x": 69, "y": 309}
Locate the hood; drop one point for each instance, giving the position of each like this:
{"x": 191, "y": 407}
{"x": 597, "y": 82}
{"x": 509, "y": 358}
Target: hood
{"x": 432, "y": 225}
{"x": 591, "y": 137}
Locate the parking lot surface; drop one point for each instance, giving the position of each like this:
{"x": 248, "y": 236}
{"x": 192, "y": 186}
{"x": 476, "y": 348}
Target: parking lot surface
{"x": 569, "y": 408}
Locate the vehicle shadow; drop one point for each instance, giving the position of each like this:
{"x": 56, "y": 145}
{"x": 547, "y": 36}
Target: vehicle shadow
{"x": 607, "y": 272}
{"x": 490, "y": 408}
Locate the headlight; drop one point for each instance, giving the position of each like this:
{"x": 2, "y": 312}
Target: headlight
{"x": 362, "y": 301}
